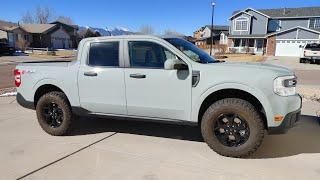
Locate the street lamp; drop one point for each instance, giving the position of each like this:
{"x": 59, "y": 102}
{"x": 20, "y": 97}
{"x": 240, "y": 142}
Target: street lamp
{"x": 211, "y": 35}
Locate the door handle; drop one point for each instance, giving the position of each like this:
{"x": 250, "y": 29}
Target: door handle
{"x": 90, "y": 73}
{"x": 138, "y": 76}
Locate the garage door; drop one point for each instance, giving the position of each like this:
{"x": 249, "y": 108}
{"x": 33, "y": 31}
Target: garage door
{"x": 57, "y": 43}
{"x": 291, "y": 47}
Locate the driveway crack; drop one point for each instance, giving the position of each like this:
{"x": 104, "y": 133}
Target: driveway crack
{"x": 66, "y": 156}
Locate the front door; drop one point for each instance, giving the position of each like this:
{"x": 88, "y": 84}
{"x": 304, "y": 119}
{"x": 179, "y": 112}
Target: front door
{"x": 259, "y": 45}
{"x": 101, "y": 80}
{"x": 151, "y": 90}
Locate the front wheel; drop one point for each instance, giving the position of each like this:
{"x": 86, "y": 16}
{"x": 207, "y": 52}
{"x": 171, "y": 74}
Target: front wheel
{"x": 54, "y": 113}
{"x": 232, "y": 127}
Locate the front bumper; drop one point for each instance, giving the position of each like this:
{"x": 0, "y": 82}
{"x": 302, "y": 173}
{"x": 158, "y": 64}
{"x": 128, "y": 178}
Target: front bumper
{"x": 287, "y": 123}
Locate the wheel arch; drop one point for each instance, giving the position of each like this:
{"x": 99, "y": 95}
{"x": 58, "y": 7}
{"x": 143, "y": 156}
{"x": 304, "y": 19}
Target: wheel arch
{"x": 255, "y": 97}
{"x": 46, "y": 88}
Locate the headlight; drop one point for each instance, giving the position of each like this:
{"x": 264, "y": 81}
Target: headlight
{"x": 285, "y": 85}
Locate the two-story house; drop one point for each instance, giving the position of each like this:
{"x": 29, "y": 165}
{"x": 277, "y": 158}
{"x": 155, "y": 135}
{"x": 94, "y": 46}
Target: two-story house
{"x": 203, "y": 35}
{"x": 274, "y": 32}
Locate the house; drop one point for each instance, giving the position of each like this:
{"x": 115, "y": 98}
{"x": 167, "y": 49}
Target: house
{"x": 274, "y": 32}
{"x": 55, "y": 35}
{"x": 203, "y": 35}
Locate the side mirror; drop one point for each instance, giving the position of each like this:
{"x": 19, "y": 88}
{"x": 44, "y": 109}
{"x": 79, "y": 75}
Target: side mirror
{"x": 172, "y": 64}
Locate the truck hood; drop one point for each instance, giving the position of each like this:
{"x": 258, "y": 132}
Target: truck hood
{"x": 279, "y": 70}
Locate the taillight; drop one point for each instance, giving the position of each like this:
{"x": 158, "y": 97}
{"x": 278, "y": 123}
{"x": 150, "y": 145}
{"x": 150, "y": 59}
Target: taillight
{"x": 17, "y": 77}
{"x": 304, "y": 53}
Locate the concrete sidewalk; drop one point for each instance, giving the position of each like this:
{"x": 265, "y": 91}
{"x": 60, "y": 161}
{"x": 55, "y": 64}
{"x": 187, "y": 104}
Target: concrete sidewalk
{"x": 110, "y": 149}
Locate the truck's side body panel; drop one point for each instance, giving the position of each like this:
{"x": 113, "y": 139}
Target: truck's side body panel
{"x": 103, "y": 92}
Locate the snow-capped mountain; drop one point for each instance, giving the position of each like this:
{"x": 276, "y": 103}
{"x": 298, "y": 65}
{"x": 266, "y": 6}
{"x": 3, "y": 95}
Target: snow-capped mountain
{"x": 106, "y": 32}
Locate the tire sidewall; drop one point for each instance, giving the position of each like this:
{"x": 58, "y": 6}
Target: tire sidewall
{"x": 66, "y": 120}
{"x": 210, "y": 118}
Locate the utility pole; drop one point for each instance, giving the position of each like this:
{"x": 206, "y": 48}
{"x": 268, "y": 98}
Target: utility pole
{"x": 211, "y": 29}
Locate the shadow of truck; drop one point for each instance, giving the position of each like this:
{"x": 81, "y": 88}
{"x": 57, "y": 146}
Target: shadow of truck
{"x": 303, "y": 138}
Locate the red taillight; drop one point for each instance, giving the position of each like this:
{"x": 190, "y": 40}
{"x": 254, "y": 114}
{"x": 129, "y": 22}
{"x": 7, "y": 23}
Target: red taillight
{"x": 17, "y": 77}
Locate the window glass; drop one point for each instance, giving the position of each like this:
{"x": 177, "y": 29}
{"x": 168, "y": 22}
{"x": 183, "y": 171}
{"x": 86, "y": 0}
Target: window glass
{"x": 241, "y": 24}
{"x": 148, "y": 54}
{"x": 274, "y": 25}
{"x": 314, "y": 23}
{"x": 313, "y": 46}
{"x": 192, "y": 51}
{"x": 104, "y": 54}
{"x": 251, "y": 42}
{"x": 236, "y": 42}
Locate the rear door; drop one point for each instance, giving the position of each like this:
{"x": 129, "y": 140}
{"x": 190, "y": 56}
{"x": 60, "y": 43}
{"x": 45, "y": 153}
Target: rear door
{"x": 151, "y": 90}
{"x": 101, "y": 79}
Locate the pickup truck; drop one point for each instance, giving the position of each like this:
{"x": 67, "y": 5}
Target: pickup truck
{"x": 311, "y": 53}
{"x": 162, "y": 79}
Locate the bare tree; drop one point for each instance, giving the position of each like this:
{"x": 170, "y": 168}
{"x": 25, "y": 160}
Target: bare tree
{"x": 170, "y": 32}
{"x": 146, "y": 29}
{"x": 43, "y": 15}
{"x": 65, "y": 19}
{"x": 27, "y": 18}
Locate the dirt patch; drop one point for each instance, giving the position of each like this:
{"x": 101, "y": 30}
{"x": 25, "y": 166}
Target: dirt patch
{"x": 309, "y": 93}
{"x": 240, "y": 57}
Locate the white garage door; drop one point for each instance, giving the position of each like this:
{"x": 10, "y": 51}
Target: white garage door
{"x": 291, "y": 47}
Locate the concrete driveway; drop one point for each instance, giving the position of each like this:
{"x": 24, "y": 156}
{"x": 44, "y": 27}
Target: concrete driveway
{"x": 308, "y": 74}
{"x": 110, "y": 149}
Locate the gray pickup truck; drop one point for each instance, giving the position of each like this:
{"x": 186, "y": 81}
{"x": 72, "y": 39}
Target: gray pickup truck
{"x": 162, "y": 79}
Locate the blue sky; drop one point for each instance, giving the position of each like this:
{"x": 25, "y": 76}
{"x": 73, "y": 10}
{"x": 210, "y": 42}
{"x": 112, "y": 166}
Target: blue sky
{"x": 183, "y": 16}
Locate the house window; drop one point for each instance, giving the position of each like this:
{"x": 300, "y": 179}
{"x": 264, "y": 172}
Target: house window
{"x": 26, "y": 37}
{"x": 314, "y": 23}
{"x": 237, "y": 42}
{"x": 241, "y": 24}
{"x": 274, "y": 25}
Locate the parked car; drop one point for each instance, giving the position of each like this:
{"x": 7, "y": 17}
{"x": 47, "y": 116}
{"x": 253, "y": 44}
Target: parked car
{"x": 311, "y": 53}
{"x": 6, "y": 49}
{"x": 157, "y": 79}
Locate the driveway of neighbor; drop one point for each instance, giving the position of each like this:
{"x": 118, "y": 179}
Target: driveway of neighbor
{"x": 110, "y": 149}
{"x": 308, "y": 74}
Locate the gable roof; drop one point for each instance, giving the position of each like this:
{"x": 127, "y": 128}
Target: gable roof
{"x": 61, "y": 22}
{"x": 235, "y": 13}
{"x": 7, "y": 26}
{"x": 284, "y": 12}
{"x": 297, "y": 27}
{"x": 37, "y": 28}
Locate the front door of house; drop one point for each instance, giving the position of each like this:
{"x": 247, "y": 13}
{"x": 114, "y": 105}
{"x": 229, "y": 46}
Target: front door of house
{"x": 259, "y": 45}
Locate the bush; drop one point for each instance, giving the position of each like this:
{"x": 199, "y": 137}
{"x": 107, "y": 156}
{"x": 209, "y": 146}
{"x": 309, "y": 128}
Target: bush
{"x": 22, "y": 44}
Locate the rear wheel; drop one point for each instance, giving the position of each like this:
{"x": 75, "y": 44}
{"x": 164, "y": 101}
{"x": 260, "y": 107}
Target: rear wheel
{"x": 54, "y": 113}
{"x": 232, "y": 127}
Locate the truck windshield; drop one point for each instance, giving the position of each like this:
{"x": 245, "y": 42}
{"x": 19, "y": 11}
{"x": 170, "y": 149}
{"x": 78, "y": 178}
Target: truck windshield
{"x": 192, "y": 51}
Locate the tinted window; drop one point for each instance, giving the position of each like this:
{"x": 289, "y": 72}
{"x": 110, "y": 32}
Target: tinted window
{"x": 104, "y": 54}
{"x": 192, "y": 51}
{"x": 148, "y": 54}
{"x": 314, "y": 46}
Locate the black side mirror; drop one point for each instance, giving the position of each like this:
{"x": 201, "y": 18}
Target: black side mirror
{"x": 180, "y": 66}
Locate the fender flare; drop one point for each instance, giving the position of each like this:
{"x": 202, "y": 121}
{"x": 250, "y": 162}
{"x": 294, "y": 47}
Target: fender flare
{"x": 237, "y": 86}
{"x": 49, "y": 81}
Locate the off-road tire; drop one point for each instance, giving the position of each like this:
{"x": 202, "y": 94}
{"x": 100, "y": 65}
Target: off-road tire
{"x": 61, "y": 100}
{"x": 248, "y": 112}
